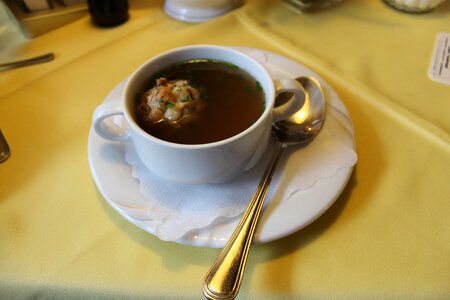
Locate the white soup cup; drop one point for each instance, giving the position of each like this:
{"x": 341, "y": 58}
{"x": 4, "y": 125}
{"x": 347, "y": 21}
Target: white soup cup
{"x": 199, "y": 163}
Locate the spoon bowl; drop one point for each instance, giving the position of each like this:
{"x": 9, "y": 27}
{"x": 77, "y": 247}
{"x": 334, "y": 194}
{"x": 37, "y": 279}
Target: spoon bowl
{"x": 306, "y": 123}
{"x": 224, "y": 278}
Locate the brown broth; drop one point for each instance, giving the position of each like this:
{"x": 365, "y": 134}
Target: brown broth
{"x": 232, "y": 101}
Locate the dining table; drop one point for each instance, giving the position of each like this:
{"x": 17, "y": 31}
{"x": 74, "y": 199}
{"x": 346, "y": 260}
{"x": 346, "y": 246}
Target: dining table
{"x": 382, "y": 232}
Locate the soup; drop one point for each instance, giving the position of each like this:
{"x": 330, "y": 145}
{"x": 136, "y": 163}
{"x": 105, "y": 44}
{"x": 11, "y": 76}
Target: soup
{"x": 199, "y": 101}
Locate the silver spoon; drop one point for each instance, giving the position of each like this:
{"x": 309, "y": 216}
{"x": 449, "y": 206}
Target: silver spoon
{"x": 224, "y": 277}
{"x": 27, "y": 62}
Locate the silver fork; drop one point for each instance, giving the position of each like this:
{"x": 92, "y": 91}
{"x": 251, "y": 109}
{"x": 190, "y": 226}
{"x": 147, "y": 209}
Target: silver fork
{"x": 26, "y": 62}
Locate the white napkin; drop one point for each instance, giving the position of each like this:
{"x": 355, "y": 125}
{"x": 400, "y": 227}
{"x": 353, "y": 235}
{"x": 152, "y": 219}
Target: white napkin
{"x": 176, "y": 209}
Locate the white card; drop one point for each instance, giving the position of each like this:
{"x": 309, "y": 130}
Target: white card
{"x": 440, "y": 63}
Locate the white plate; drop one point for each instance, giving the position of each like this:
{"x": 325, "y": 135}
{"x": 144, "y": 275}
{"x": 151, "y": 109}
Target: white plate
{"x": 112, "y": 175}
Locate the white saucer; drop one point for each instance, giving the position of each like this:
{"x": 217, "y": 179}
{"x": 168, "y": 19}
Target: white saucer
{"x": 112, "y": 175}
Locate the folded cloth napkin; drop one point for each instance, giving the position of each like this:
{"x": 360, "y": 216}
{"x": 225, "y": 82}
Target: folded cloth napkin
{"x": 176, "y": 209}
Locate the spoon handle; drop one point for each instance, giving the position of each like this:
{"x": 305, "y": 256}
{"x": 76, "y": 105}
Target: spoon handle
{"x": 224, "y": 277}
{"x": 26, "y": 62}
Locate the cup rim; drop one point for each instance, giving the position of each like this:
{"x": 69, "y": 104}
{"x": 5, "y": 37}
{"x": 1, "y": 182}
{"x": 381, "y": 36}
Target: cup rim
{"x": 269, "y": 99}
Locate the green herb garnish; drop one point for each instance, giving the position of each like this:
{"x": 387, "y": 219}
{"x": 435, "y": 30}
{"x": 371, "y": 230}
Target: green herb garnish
{"x": 204, "y": 97}
{"x": 258, "y": 86}
{"x": 137, "y": 97}
{"x": 228, "y": 64}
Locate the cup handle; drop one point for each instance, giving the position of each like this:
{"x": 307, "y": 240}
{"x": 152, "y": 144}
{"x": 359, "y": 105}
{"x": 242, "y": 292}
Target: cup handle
{"x": 287, "y": 85}
{"x": 109, "y": 132}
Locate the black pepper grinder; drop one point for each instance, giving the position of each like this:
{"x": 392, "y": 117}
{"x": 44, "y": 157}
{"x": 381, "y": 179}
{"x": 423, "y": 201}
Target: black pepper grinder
{"x": 108, "y": 13}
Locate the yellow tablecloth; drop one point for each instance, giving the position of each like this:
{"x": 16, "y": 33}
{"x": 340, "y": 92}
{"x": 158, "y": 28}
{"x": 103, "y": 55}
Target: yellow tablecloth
{"x": 386, "y": 237}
